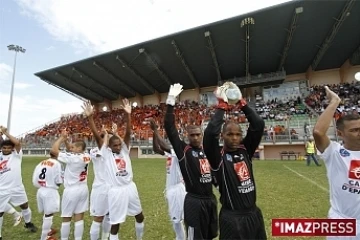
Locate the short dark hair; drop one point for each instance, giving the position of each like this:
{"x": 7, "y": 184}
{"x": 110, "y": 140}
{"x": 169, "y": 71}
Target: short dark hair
{"x": 226, "y": 124}
{"x": 192, "y": 127}
{"x": 349, "y": 117}
{"x": 81, "y": 144}
{"x": 7, "y": 142}
{"x": 52, "y": 155}
{"x": 113, "y": 138}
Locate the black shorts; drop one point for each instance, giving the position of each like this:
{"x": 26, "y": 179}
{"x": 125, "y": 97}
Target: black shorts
{"x": 200, "y": 217}
{"x": 242, "y": 225}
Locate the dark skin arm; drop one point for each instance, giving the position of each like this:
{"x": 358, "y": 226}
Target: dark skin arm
{"x": 89, "y": 112}
{"x": 127, "y": 108}
{"x": 159, "y": 144}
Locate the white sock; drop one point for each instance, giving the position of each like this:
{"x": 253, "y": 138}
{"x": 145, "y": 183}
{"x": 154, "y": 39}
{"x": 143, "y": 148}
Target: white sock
{"x": 106, "y": 226}
{"x": 46, "y": 227}
{"x": 179, "y": 230}
{"x": 114, "y": 237}
{"x": 27, "y": 215}
{"x": 79, "y": 230}
{"x": 139, "y": 228}
{"x": 9, "y": 209}
{"x": 1, "y": 223}
{"x": 95, "y": 230}
{"x": 65, "y": 230}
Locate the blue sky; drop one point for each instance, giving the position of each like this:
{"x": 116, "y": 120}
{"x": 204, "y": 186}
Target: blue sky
{"x": 56, "y": 32}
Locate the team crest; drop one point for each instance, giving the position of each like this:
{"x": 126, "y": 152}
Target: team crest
{"x": 195, "y": 154}
{"x": 241, "y": 171}
{"x": 121, "y": 166}
{"x": 204, "y": 166}
{"x": 344, "y": 153}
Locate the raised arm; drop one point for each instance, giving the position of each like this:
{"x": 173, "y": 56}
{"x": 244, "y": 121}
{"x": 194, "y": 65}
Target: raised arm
{"x": 159, "y": 145}
{"x": 56, "y": 146}
{"x": 212, "y": 136}
{"x": 89, "y": 112}
{"x": 255, "y": 130}
{"x": 68, "y": 145}
{"x": 169, "y": 121}
{"x": 322, "y": 125}
{"x": 13, "y": 139}
{"x": 127, "y": 108}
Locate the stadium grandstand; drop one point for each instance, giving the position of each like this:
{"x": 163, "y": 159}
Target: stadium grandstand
{"x": 280, "y": 57}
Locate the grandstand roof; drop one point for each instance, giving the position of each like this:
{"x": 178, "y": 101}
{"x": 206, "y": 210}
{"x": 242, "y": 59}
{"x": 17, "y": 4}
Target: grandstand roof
{"x": 292, "y": 36}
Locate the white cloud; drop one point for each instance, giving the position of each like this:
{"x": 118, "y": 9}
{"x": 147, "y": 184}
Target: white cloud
{"x": 29, "y": 112}
{"x": 20, "y": 85}
{"x": 5, "y": 72}
{"x": 50, "y": 48}
{"x": 98, "y": 26}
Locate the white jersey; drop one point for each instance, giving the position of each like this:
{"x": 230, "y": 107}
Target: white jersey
{"x": 98, "y": 166}
{"x": 343, "y": 172}
{"x": 48, "y": 173}
{"x": 173, "y": 172}
{"x": 76, "y": 170}
{"x": 10, "y": 170}
{"x": 118, "y": 166}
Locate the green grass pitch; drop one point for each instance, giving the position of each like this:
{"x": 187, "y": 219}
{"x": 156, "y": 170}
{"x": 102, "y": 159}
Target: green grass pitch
{"x": 286, "y": 189}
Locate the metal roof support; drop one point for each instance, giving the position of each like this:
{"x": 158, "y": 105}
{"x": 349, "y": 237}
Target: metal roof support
{"x": 107, "y": 90}
{"x": 124, "y": 85}
{"x": 156, "y": 66}
{"x": 183, "y": 62}
{"x": 247, "y": 22}
{"x": 63, "y": 89}
{"x": 213, "y": 55}
{"x": 355, "y": 58}
{"x": 329, "y": 39}
{"x": 84, "y": 88}
{"x": 140, "y": 78}
{"x": 290, "y": 35}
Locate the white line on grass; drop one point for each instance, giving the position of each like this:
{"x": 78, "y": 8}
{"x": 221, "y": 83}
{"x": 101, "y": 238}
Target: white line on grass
{"x": 307, "y": 179}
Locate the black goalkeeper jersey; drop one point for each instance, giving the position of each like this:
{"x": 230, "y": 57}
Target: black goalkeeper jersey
{"x": 194, "y": 165}
{"x": 234, "y": 169}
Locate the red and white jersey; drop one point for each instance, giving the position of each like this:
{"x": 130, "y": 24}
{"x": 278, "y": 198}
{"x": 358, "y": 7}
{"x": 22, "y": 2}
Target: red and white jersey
{"x": 98, "y": 167}
{"x": 10, "y": 170}
{"x": 76, "y": 170}
{"x": 118, "y": 166}
{"x": 48, "y": 173}
{"x": 343, "y": 172}
{"x": 173, "y": 172}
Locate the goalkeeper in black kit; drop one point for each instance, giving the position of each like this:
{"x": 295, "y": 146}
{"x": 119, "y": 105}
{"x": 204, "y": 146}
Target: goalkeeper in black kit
{"x": 200, "y": 206}
{"x": 239, "y": 218}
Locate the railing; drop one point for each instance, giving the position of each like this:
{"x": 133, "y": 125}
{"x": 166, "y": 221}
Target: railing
{"x": 268, "y": 138}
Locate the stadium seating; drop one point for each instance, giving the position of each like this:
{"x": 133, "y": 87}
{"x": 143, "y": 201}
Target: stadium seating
{"x": 285, "y": 122}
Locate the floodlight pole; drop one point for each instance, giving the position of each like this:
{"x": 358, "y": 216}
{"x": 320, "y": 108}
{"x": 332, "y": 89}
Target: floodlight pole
{"x": 17, "y": 49}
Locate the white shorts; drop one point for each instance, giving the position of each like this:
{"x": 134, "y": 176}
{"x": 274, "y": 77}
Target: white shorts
{"x": 123, "y": 201}
{"x": 175, "y": 196}
{"x": 99, "y": 201}
{"x": 75, "y": 200}
{"x": 48, "y": 200}
{"x": 16, "y": 196}
{"x": 335, "y": 215}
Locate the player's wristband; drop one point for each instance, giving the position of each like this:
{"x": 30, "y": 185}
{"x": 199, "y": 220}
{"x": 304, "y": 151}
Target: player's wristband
{"x": 222, "y": 105}
{"x": 242, "y": 103}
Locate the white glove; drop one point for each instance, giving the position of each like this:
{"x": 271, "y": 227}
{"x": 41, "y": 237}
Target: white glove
{"x": 174, "y": 91}
{"x": 233, "y": 93}
{"x": 220, "y": 92}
